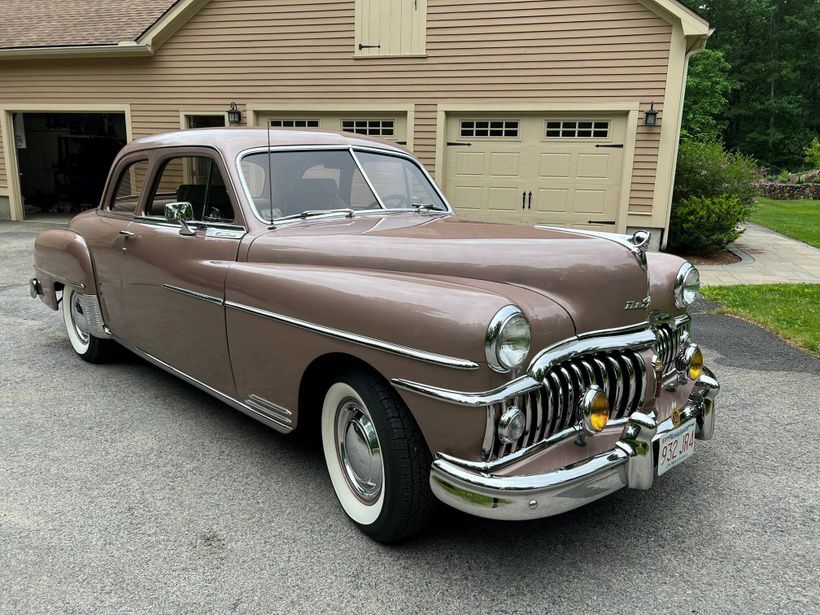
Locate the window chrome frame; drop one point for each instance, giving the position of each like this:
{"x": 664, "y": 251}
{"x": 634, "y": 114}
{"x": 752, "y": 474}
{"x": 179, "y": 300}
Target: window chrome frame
{"x": 349, "y": 148}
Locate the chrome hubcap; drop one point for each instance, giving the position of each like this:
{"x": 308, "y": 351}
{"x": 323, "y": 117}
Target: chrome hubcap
{"x": 79, "y": 318}
{"x": 359, "y": 451}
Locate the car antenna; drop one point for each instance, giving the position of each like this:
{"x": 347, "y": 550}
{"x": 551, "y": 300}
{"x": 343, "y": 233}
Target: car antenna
{"x": 270, "y": 174}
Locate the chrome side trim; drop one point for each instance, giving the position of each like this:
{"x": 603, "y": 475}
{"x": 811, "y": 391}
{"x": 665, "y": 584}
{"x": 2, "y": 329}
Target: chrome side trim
{"x": 61, "y": 279}
{"x": 270, "y": 421}
{"x": 268, "y": 408}
{"x": 194, "y": 294}
{"x": 361, "y": 340}
{"x": 519, "y": 386}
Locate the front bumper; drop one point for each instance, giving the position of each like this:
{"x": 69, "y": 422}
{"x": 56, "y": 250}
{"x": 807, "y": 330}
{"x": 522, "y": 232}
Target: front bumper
{"x": 485, "y": 490}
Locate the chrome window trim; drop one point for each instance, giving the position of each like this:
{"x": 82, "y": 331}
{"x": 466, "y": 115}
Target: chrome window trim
{"x": 361, "y": 340}
{"x": 352, "y": 149}
{"x": 269, "y": 420}
{"x": 194, "y": 294}
{"x": 367, "y": 179}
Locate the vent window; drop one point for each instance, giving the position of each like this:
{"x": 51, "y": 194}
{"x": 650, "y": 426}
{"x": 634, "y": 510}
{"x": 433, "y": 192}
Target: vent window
{"x": 373, "y": 128}
{"x": 490, "y": 128}
{"x": 577, "y": 129}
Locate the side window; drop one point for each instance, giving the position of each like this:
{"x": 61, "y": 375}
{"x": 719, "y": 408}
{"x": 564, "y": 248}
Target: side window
{"x": 195, "y": 180}
{"x": 129, "y": 187}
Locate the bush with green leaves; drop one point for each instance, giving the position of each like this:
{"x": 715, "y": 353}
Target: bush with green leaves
{"x": 708, "y": 170}
{"x": 811, "y": 155}
{"x": 705, "y": 225}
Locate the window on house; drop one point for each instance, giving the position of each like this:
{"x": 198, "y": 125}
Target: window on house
{"x": 374, "y": 128}
{"x": 577, "y": 129}
{"x": 490, "y": 128}
{"x": 294, "y": 123}
{"x": 391, "y": 28}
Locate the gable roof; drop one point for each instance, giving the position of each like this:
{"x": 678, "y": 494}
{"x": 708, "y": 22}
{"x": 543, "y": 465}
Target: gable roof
{"x": 42, "y": 28}
{"x": 35, "y": 28}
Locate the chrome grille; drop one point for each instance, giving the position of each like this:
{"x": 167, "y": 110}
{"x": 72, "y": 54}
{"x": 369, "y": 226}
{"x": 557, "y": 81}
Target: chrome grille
{"x": 554, "y": 406}
{"x": 670, "y": 343}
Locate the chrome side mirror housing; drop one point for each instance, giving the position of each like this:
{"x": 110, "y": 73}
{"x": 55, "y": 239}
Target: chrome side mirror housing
{"x": 182, "y": 212}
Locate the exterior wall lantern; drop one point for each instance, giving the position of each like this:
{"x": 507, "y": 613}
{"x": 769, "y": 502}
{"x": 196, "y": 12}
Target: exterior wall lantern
{"x": 234, "y": 114}
{"x": 651, "y": 116}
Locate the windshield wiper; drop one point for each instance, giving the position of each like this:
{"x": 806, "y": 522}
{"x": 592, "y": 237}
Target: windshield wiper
{"x": 427, "y": 207}
{"x": 312, "y": 213}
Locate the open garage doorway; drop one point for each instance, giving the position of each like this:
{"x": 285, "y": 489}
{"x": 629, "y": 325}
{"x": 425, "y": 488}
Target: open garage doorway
{"x": 63, "y": 160}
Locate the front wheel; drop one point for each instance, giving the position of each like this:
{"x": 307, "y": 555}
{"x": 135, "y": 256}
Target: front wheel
{"x": 90, "y": 348}
{"x": 376, "y": 456}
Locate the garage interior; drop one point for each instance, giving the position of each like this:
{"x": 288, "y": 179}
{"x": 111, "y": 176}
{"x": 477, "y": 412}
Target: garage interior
{"x": 64, "y": 158}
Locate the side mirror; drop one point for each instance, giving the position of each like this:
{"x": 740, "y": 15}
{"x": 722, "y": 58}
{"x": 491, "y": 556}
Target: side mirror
{"x": 182, "y": 212}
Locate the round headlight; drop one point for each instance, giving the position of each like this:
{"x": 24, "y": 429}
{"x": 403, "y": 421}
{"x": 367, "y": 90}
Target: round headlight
{"x": 687, "y": 285}
{"x": 508, "y": 339}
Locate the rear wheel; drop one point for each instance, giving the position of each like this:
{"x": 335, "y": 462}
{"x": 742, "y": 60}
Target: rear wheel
{"x": 90, "y": 348}
{"x": 376, "y": 456}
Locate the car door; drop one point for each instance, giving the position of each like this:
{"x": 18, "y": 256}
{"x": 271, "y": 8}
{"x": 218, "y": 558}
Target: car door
{"x": 173, "y": 283}
{"x": 119, "y": 204}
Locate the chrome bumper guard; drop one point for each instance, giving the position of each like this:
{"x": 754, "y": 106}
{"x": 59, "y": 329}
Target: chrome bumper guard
{"x": 631, "y": 463}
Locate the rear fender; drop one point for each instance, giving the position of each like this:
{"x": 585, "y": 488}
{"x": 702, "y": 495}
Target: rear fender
{"x": 61, "y": 258}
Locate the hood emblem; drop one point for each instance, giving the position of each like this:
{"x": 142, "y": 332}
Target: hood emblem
{"x": 638, "y": 305}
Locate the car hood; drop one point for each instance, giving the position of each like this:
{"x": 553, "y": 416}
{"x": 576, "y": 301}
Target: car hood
{"x": 592, "y": 278}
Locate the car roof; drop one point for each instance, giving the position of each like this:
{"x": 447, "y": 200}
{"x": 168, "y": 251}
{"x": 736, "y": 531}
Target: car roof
{"x": 232, "y": 141}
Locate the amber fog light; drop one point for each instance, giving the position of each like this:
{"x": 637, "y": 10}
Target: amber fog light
{"x": 690, "y": 362}
{"x": 594, "y": 409}
{"x": 511, "y": 426}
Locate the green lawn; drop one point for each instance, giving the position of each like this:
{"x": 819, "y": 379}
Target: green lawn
{"x": 797, "y": 219}
{"x": 789, "y": 310}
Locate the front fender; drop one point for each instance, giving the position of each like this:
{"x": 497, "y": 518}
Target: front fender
{"x": 663, "y": 268}
{"x": 61, "y": 257}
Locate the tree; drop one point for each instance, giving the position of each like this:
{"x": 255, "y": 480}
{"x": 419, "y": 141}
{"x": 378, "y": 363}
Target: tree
{"x": 706, "y": 96}
{"x": 773, "y": 48}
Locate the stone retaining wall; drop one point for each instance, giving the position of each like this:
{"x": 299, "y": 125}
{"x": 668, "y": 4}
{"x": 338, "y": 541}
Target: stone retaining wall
{"x": 788, "y": 192}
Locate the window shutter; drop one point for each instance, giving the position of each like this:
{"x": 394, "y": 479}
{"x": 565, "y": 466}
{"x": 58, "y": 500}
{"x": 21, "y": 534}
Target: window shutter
{"x": 391, "y": 28}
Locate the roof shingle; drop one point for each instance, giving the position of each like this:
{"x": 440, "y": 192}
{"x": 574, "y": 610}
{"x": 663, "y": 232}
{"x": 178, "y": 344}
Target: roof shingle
{"x": 52, "y": 23}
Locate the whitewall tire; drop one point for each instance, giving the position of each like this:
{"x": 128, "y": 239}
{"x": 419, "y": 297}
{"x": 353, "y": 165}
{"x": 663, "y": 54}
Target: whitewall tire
{"x": 88, "y": 347}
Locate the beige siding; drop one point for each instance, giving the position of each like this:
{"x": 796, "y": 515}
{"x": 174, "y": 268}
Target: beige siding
{"x": 288, "y": 51}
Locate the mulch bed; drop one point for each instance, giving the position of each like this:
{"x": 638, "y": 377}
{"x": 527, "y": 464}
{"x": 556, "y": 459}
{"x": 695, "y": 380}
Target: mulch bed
{"x": 721, "y": 258}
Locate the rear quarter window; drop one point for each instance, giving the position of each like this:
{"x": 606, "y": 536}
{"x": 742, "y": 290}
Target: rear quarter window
{"x": 129, "y": 187}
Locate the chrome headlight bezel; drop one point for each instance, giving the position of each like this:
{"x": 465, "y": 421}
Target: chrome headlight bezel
{"x": 503, "y": 319}
{"x": 682, "y": 280}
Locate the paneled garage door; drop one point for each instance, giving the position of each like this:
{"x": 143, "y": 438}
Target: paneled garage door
{"x": 561, "y": 169}
{"x": 386, "y": 126}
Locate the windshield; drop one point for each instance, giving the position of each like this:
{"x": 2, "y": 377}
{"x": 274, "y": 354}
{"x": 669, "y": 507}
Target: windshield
{"x": 323, "y": 180}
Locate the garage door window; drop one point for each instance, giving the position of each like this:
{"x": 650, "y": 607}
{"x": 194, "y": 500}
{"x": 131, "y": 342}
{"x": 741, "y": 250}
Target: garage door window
{"x": 490, "y": 128}
{"x": 577, "y": 129}
{"x": 294, "y": 123}
{"x": 129, "y": 187}
{"x": 373, "y": 128}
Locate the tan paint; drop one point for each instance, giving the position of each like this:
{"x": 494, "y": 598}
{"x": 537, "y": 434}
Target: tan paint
{"x": 299, "y": 54}
{"x": 390, "y": 28}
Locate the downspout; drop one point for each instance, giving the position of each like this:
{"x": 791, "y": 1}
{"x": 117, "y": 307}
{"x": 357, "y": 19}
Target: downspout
{"x": 696, "y": 47}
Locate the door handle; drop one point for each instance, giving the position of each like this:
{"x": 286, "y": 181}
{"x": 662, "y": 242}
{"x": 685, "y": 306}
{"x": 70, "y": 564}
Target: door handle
{"x": 127, "y": 234}
{"x": 529, "y": 205}
{"x": 524, "y": 200}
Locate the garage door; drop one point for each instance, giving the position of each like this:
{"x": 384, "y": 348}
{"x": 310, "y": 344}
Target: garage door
{"x": 556, "y": 169}
{"x": 386, "y": 126}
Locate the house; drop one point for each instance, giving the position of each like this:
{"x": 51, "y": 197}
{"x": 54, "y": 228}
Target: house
{"x": 563, "y": 112}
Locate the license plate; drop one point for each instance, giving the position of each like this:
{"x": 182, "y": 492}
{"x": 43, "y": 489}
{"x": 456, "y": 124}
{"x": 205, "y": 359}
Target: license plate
{"x": 675, "y": 447}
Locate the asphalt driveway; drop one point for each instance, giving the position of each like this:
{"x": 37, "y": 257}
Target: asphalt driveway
{"x": 124, "y": 489}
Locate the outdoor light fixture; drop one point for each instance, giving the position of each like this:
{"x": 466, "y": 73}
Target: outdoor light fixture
{"x": 234, "y": 114}
{"x": 651, "y": 116}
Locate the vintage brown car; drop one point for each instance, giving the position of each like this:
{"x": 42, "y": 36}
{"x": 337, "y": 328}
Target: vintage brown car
{"x": 322, "y": 280}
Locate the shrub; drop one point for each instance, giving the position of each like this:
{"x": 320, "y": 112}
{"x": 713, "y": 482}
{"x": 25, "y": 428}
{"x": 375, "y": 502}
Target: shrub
{"x": 705, "y": 225}
{"x": 707, "y": 170}
{"x": 811, "y": 155}
{"x": 784, "y": 177}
